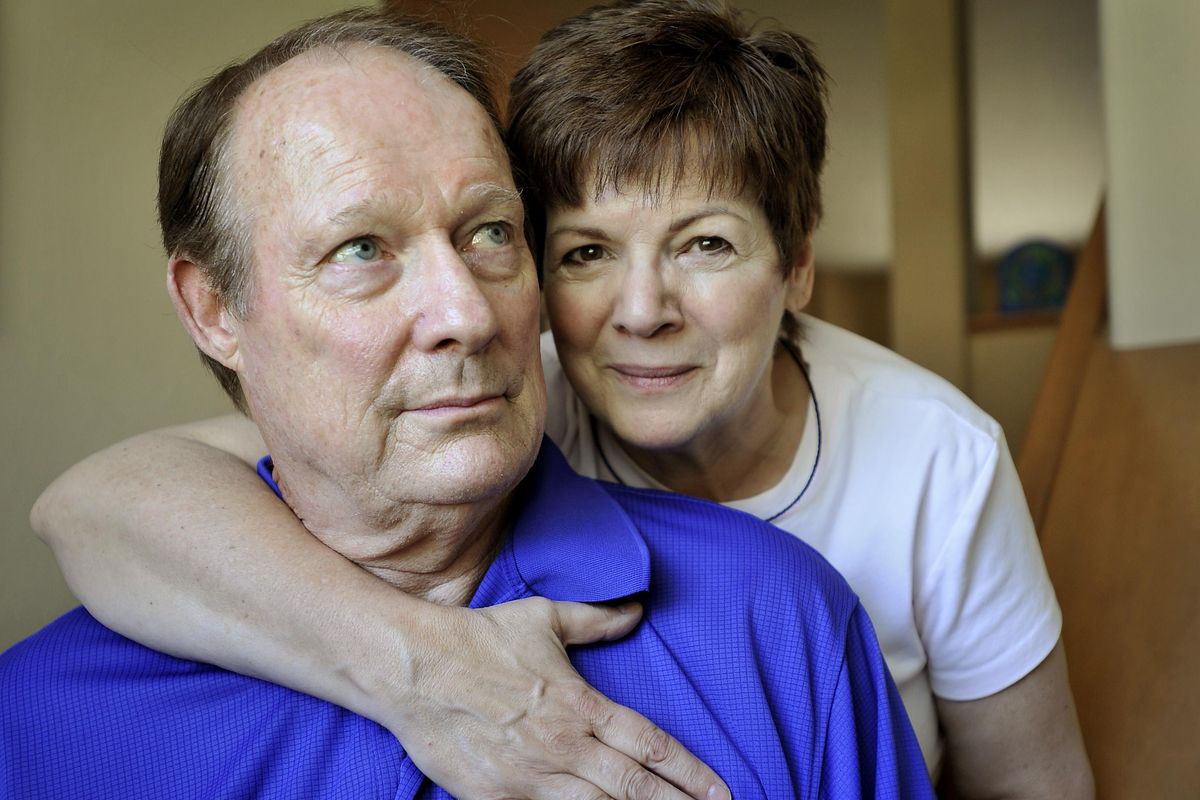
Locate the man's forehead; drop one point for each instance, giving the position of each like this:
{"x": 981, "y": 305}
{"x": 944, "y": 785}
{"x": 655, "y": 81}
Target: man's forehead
{"x": 309, "y": 82}
{"x": 328, "y": 113}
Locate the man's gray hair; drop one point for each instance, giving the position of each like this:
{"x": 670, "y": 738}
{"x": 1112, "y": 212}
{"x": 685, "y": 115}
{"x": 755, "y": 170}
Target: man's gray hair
{"x": 196, "y": 210}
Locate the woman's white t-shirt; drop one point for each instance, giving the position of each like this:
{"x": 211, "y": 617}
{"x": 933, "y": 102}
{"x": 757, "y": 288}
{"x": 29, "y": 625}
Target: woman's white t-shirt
{"x": 908, "y": 489}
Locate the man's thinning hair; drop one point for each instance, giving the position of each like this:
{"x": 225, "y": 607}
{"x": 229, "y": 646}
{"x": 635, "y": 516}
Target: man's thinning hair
{"x": 640, "y": 93}
{"x": 197, "y": 212}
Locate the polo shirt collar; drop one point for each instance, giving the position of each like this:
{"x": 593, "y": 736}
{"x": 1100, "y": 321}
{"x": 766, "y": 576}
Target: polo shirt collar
{"x": 570, "y": 539}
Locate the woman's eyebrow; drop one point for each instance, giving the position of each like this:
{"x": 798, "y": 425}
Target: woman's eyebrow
{"x": 676, "y": 224}
{"x": 708, "y": 211}
{"x": 578, "y": 230}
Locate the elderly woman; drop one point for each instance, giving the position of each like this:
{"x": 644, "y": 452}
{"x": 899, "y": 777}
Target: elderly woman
{"x": 671, "y": 159}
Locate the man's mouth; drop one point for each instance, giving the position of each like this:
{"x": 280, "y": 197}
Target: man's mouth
{"x": 459, "y": 404}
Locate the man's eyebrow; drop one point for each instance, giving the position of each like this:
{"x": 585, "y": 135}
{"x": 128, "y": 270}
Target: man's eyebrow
{"x": 340, "y": 219}
{"x": 493, "y": 194}
{"x": 486, "y": 194}
{"x": 354, "y": 211}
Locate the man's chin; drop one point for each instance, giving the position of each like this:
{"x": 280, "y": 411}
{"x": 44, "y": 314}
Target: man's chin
{"x": 468, "y": 469}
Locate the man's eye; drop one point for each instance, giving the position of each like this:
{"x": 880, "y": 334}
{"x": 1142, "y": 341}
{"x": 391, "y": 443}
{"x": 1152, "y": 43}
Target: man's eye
{"x": 361, "y": 250}
{"x": 494, "y": 234}
{"x": 582, "y": 255}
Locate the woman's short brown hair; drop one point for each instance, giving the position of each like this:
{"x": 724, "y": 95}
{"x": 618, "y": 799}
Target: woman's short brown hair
{"x": 643, "y": 92}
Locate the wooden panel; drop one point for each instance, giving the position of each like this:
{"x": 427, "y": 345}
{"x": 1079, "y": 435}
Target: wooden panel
{"x": 856, "y": 301}
{"x": 926, "y": 136}
{"x": 1037, "y": 461}
{"x": 1122, "y": 543}
{"x": 510, "y": 29}
{"x": 1006, "y": 370}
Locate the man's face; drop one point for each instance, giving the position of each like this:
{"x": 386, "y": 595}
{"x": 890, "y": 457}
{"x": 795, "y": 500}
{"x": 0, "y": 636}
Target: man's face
{"x": 390, "y": 349}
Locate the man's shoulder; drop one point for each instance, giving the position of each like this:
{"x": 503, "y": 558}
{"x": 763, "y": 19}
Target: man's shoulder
{"x": 703, "y": 522}
{"x": 74, "y": 639}
{"x": 84, "y": 706}
{"x": 57, "y": 700}
{"x": 749, "y": 610}
{"x": 725, "y": 553}
{"x": 74, "y": 667}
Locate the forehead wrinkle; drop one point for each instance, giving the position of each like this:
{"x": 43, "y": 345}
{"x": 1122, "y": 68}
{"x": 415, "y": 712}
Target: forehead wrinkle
{"x": 303, "y": 97}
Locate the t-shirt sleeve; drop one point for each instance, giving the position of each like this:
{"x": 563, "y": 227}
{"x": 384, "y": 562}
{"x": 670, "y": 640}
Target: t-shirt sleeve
{"x": 870, "y": 748}
{"x": 987, "y": 610}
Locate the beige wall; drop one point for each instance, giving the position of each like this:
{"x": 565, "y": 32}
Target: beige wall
{"x": 1036, "y": 125}
{"x": 856, "y": 233}
{"x": 1151, "y": 70}
{"x": 90, "y": 350}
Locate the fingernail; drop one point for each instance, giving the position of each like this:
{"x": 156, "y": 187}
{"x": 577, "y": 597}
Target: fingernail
{"x": 718, "y": 792}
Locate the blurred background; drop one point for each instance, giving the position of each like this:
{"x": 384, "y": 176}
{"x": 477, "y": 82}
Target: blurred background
{"x": 972, "y": 143}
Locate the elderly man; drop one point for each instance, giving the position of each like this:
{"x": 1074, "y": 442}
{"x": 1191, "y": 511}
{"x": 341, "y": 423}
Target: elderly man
{"x": 346, "y": 250}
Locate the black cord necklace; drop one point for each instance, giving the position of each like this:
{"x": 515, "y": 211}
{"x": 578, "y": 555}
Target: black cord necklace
{"x": 795, "y": 354}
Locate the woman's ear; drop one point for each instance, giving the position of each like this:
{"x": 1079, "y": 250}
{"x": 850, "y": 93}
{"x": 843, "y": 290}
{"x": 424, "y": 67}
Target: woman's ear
{"x": 207, "y": 320}
{"x": 799, "y": 280}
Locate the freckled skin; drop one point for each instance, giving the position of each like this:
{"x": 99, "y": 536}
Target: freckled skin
{"x": 339, "y": 355}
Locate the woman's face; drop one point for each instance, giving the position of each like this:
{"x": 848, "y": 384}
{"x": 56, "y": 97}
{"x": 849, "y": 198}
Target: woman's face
{"x": 666, "y": 311}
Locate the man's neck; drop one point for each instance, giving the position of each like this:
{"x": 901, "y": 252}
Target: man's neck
{"x": 437, "y": 552}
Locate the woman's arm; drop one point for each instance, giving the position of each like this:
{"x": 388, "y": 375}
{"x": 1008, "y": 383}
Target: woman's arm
{"x": 1022, "y": 742}
{"x": 171, "y": 539}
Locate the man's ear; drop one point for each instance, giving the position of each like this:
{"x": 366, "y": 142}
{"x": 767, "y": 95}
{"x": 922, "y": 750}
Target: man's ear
{"x": 799, "y": 280}
{"x": 202, "y": 313}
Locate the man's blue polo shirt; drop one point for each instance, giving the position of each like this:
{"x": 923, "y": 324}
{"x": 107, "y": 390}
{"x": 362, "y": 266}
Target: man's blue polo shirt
{"x": 753, "y": 652}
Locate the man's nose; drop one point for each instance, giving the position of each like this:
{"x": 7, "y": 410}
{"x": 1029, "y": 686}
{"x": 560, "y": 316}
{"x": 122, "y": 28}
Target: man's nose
{"x": 454, "y": 308}
{"x": 647, "y": 301}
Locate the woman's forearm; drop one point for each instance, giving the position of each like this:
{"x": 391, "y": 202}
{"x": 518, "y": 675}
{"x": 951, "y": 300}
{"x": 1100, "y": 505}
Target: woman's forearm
{"x": 171, "y": 539}
{"x": 178, "y": 545}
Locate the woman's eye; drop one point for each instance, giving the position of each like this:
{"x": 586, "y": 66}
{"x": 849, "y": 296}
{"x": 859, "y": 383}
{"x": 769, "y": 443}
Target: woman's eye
{"x": 582, "y": 255}
{"x": 361, "y": 250}
{"x": 711, "y": 244}
{"x": 494, "y": 234}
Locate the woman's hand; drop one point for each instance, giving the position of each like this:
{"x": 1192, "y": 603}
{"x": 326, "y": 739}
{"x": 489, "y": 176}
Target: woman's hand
{"x": 491, "y": 707}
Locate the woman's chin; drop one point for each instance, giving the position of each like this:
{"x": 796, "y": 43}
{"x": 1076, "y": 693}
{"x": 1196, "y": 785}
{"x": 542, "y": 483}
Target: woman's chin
{"x": 647, "y": 432}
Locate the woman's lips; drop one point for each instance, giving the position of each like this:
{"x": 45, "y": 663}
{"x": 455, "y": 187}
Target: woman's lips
{"x": 652, "y": 378}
